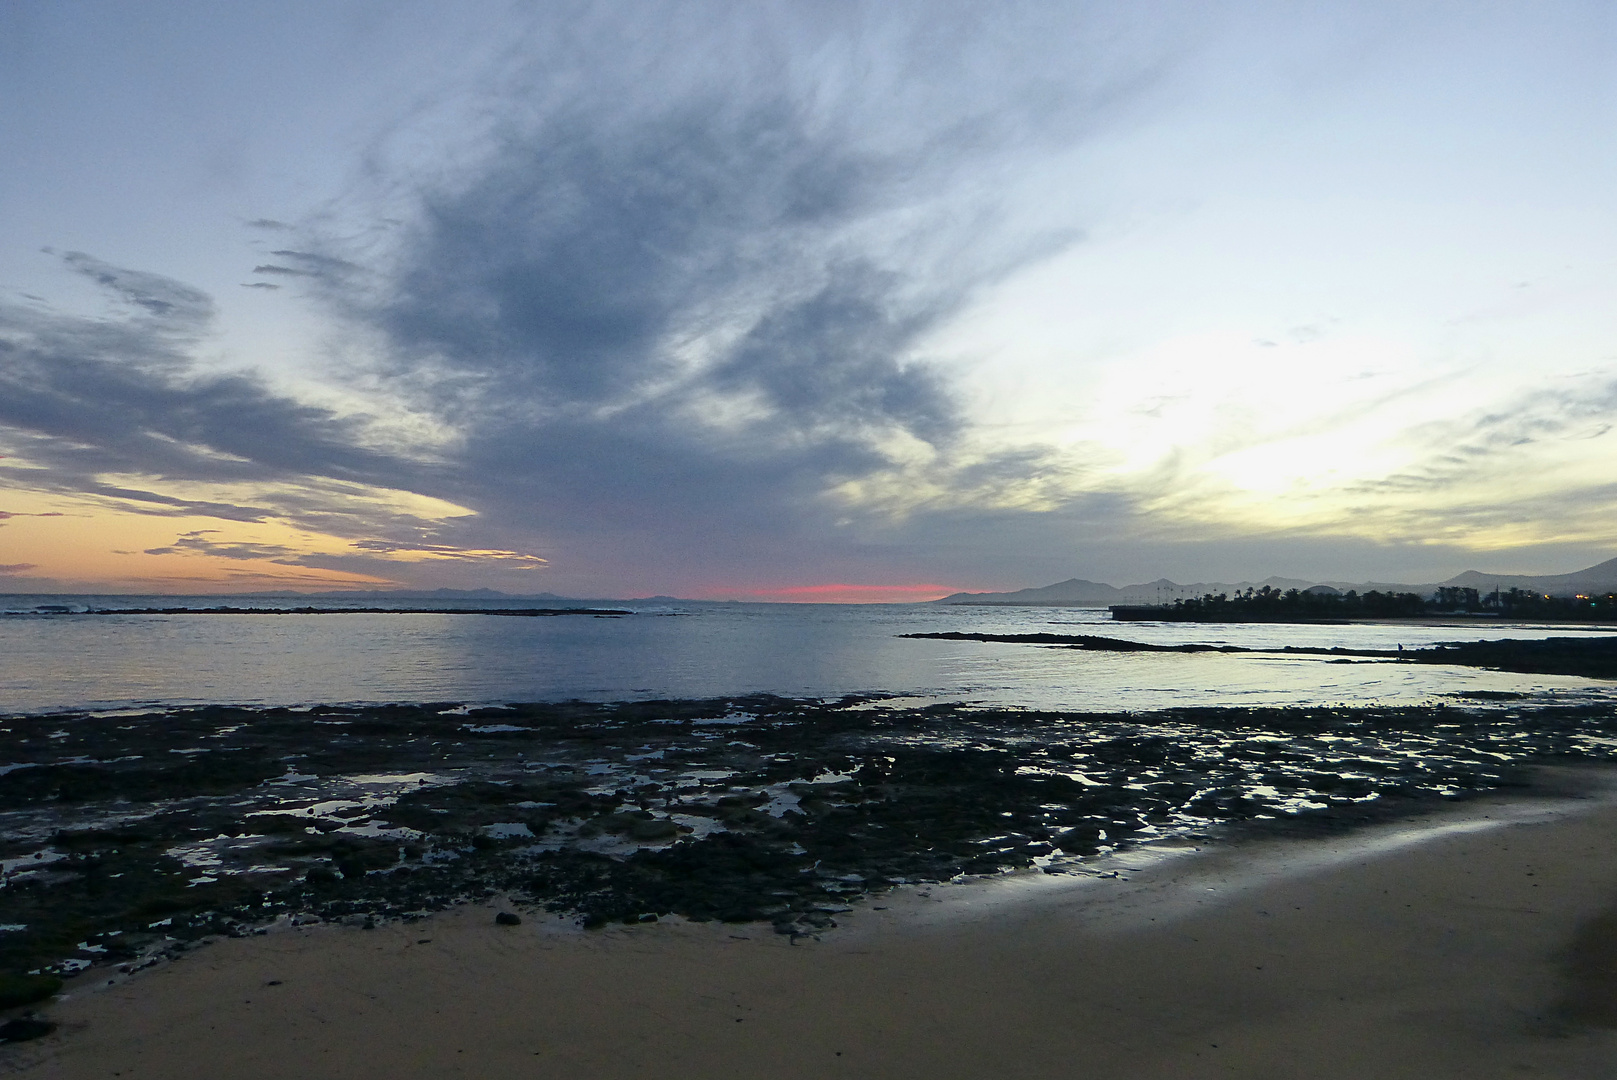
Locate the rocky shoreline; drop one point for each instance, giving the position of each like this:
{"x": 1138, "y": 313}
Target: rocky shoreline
{"x": 128, "y": 837}
{"x": 1594, "y": 658}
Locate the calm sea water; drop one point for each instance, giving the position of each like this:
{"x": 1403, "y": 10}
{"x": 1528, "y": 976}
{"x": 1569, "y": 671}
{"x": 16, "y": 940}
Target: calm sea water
{"x": 76, "y": 661}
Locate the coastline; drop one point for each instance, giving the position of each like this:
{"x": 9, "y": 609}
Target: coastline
{"x": 1436, "y": 947}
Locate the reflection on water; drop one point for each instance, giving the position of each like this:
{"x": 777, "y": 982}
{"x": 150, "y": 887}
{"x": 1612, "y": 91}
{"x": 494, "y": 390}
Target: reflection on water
{"x": 686, "y": 650}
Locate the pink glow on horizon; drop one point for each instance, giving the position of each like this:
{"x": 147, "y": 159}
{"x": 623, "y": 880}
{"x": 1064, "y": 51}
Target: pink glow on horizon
{"x": 833, "y": 594}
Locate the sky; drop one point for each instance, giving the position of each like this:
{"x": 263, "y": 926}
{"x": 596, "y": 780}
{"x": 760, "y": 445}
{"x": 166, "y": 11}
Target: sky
{"x": 803, "y": 301}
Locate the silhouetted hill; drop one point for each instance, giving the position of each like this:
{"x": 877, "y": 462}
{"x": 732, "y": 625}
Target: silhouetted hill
{"x": 1600, "y": 578}
{"x": 1074, "y": 591}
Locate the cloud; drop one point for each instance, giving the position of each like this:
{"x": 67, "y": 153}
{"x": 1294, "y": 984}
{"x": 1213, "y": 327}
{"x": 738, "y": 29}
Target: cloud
{"x": 672, "y": 314}
{"x": 13, "y": 569}
{"x": 116, "y": 410}
{"x": 314, "y": 263}
{"x": 88, "y": 396}
{"x": 197, "y": 543}
{"x": 667, "y": 314}
{"x": 172, "y": 305}
{"x": 1435, "y": 459}
{"x": 666, "y": 296}
{"x": 689, "y": 324}
{"x": 510, "y": 560}
{"x": 259, "y": 285}
{"x": 1476, "y": 446}
{"x": 1515, "y": 472}
{"x": 372, "y": 557}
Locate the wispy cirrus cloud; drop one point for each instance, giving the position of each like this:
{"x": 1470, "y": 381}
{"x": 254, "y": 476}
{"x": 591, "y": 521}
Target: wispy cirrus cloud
{"x": 199, "y": 542}
{"x": 285, "y": 271}
{"x": 1517, "y": 467}
{"x": 1480, "y": 445}
{"x": 688, "y": 321}
{"x": 170, "y": 308}
{"x": 365, "y": 556}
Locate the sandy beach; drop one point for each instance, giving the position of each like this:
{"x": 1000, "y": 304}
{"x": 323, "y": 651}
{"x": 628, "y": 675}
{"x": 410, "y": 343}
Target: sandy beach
{"x": 1477, "y": 942}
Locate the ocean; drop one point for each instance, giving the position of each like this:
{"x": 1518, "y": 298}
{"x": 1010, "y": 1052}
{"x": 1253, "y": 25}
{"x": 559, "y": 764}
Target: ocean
{"x": 67, "y": 660}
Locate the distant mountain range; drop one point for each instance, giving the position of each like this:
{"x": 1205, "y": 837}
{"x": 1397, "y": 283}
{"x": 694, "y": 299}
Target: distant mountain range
{"x": 419, "y": 594}
{"x": 1076, "y": 592}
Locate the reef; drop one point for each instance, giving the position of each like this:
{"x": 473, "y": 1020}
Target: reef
{"x": 127, "y": 837}
{"x": 1591, "y": 657}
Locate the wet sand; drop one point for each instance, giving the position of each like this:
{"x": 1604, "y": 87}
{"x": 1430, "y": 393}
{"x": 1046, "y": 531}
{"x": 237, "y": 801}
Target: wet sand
{"x": 1480, "y": 942}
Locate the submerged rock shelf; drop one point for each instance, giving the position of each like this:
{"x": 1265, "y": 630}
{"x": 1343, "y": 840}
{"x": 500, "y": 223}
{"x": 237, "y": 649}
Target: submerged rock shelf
{"x": 124, "y": 837}
{"x": 1594, "y": 658}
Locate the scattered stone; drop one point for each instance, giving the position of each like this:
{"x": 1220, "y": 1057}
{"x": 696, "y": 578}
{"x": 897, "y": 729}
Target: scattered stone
{"x": 1082, "y": 839}
{"x": 24, "y": 1028}
{"x": 507, "y": 918}
{"x": 659, "y": 829}
{"x": 18, "y": 990}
